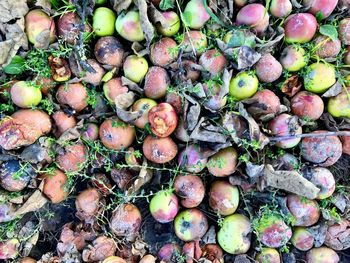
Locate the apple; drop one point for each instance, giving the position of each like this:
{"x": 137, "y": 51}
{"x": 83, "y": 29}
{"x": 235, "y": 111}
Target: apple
{"x": 25, "y": 95}
{"x": 128, "y": 25}
{"x": 164, "y": 206}
{"x": 244, "y": 85}
{"x": 103, "y": 21}
{"x": 190, "y": 224}
{"x": 172, "y": 24}
{"x": 293, "y": 58}
{"x": 339, "y": 106}
{"x": 135, "y": 68}
{"x": 320, "y": 77}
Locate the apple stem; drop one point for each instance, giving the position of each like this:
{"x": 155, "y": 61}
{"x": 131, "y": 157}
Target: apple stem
{"x": 309, "y": 135}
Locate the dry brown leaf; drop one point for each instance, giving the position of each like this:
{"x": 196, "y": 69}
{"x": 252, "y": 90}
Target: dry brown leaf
{"x": 13, "y": 32}
{"x": 206, "y": 132}
{"x": 146, "y": 25}
{"x": 333, "y": 91}
{"x": 71, "y": 134}
{"x": 290, "y": 181}
{"x": 139, "y": 247}
{"x": 129, "y": 116}
{"x": 124, "y": 101}
{"x": 36, "y": 201}
{"x": 143, "y": 178}
{"x": 120, "y": 5}
{"x": 291, "y": 86}
{"x": 44, "y": 4}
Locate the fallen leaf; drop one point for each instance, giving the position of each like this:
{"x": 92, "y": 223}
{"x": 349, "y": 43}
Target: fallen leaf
{"x": 290, "y": 181}
{"x": 210, "y": 236}
{"x": 129, "y": 116}
{"x": 207, "y": 132}
{"x": 254, "y": 130}
{"x": 139, "y": 247}
{"x": 246, "y": 57}
{"x": 333, "y": 91}
{"x": 192, "y": 110}
{"x": 319, "y": 233}
{"x": 120, "y": 5}
{"x": 125, "y": 100}
{"x": 145, "y": 175}
{"x": 71, "y": 134}
{"x": 131, "y": 85}
{"x": 267, "y": 46}
{"x": 291, "y": 86}
{"x": 36, "y": 201}
{"x": 146, "y": 25}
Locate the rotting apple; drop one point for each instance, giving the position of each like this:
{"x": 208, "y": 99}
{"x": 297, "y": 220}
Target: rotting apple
{"x": 300, "y": 28}
{"x": 132, "y": 63}
{"x": 159, "y": 150}
{"x": 234, "y": 234}
{"x": 9, "y": 249}
{"x": 302, "y": 239}
{"x": 307, "y": 105}
{"x": 94, "y": 76}
{"x": 108, "y": 50}
{"x": 190, "y": 189}
{"x": 293, "y": 58}
{"x": 194, "y": 40}
{"x": 326, "y": 47}
{"x": 244, "y": 85}
{"x": 25, "y": 95}
{"x": 164, "y": 206}
{"x": 126, "y": 221}
{"x": 73, "y": 158}
{"x": 268, "y": 69}
{"x": 55, "y": 186}
{"x": 190, "y": 224}
{"x": 164, "y": 52}
{"x": 223, "y": 197}
{"x": 62, "y": 122}
{"x": 273, "y": 231}
{"x": 128, "y": 25}
{"x": 223, "y": 163}
{"x": 148, "y": 259}
{"x": 114, "y": 259}
{"x": 191, "y": 159}
{"x": 213, "y": 61}
{"x": 74, "y": 95}
{"x": 322, "y": 255}
{"x": 324, "y": 151}
{"x": 67, "y": 28}
{"x": 144, "y": 104}
{"x": 114, "y": 88}
{"x": 285, "y": 125}
{"x": 269, "y": 255}
{"x": 163, "y": 119}
{"x": 306, "y": 212}
{"x": 169, "y": 252}
{"x": 214, "y": 100}
{"x": 267, "y": 102}
{"x": 103, "y": 21}
{"x": 115, "y": 134}
{"x": 89, "y": 132}
{"x": 40, "y": 28}
{"x": 15, "y": 175}
{"x": 323, "y": 179}
{"x": 156, "y": 82}
{"x": 344, "y": 31}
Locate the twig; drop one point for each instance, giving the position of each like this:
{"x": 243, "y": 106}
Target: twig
{"x": 309, "y": 135}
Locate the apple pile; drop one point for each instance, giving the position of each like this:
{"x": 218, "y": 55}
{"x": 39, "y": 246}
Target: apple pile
{"x": 177, "y": 131}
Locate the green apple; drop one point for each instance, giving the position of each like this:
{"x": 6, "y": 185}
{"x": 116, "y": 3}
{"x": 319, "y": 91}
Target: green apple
{"x": 173, "y": 24}
{"x": 339, "y": 106}
{"x": 320, "y": 77}
{"x": 135, "y": 68}
{"x": 128, "y": 25}
{"x": 100, "y": 2}
{"x": 25, "y": 95}
{"x": 144, "y": 104}
{"x": 244, "y": 85}
{"x": 103, "y": 21}
{"x": 191, "y": 224}
{"x": 233, "y": 236}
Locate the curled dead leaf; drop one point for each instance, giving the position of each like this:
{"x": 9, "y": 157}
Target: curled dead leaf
{"x": 291, "y": 86}
{"x": 145, "y": 175}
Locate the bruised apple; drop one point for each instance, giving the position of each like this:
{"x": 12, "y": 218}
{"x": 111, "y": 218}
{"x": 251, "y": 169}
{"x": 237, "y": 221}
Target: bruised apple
{"x": 195, "y": 15}
{"x": 302, "y": 238}
{"x": 114, "y": 88}
{"x": 73, "y": 158}
{"x": 62, "y": 122}
{"x": 108, "y": 50}
{"x": 293, "y": 58}
{"x": 159, "y": 150}
{"x": 164, "y": 206}
{"x": 307, "y": 105}
{"x": 190, "y": 224}
{"x": 270, "y": 255}
{"x": 55, "y": 186}
{"x": 305, "y": 211}
{"x": 115, "y": 134}
{"x": 244, "y": 85}
{"x": 223, "y": 197}
{"x": 145, "y": 105}
{"x": 163, "y": 119}
{"x": 223, "y": 163}
{"x": 40, "y": 28}
{"x": 194, "y": 40}
{"x": 190, "y": 189}
{"x": 156, "y": 82}
{"x": 164, "y": 52}
{"x": 74, "y": 95}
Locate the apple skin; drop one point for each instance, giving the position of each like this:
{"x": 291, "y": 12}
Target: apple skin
{"x": 280, "y": 8}
{"x": 195, "y": 15}
{"x": 244, "y": 85}
{"x": 190, "y": 224}
{"x": 223, "y": 163}
{"x": 234, "y": 234}
{"x": 322, "y": 255}
{"x": 103, "y": 22}
{"x": 129, "y": 26}
{"x": 173, "y": 21}
{"x": 320, "y": 77}
{"x": 300, "y": 28}
{"x": 24, "y": 95}
{"x": 164, "y": 206}
{"x": 269, "y": 255}
{"x": 223, "y": 197}
{"x": 325, "y": 7}
{"x": 135, "y": 68}
{"x": 145, "y": 104}
{"x": 254, "y": 16}
{"x": 196, "y": 39}
{"x": 302, "y": 239}
{"x": 36, "y": 23}
{"x": 293, "y": 58}
{"x": 339, "y": 106}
